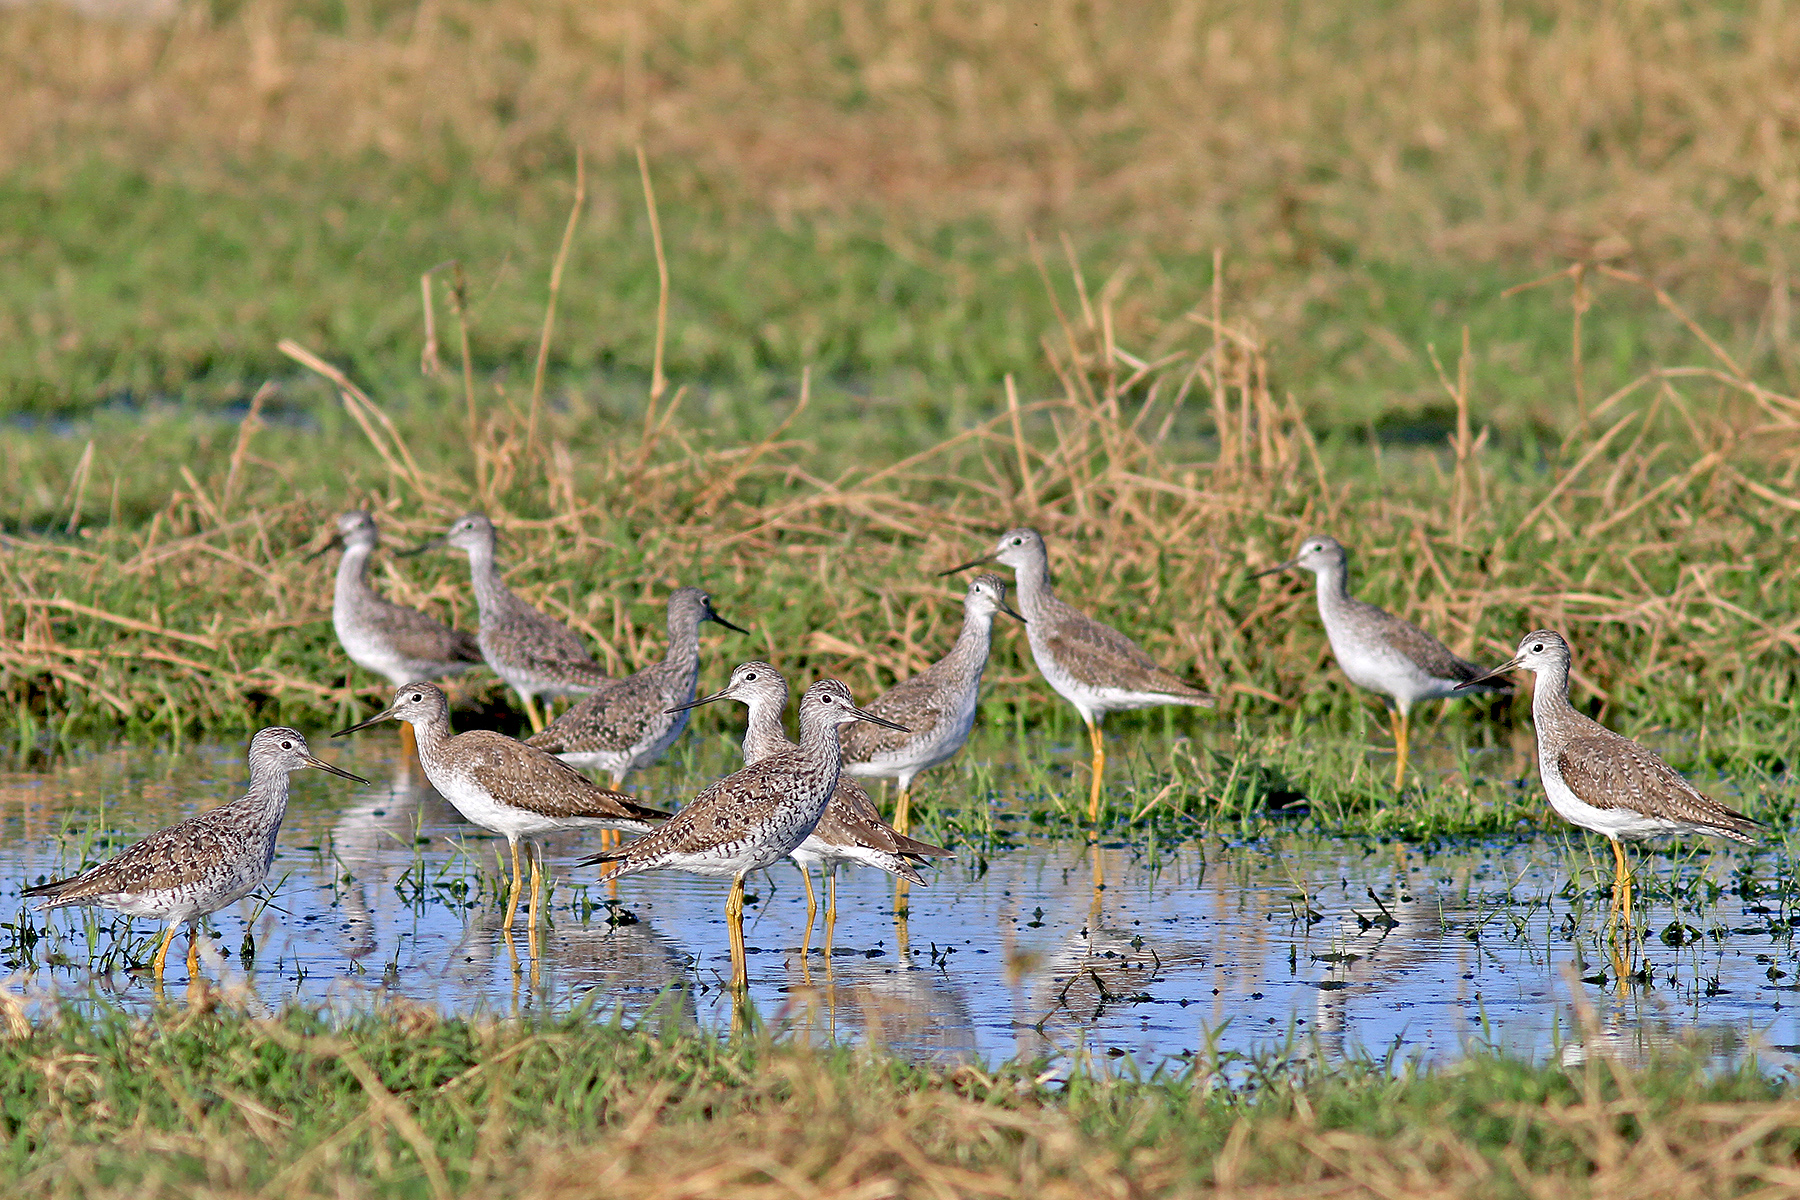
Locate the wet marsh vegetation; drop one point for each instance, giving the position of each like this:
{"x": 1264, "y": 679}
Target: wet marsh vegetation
{"x": 1520, "y": 336}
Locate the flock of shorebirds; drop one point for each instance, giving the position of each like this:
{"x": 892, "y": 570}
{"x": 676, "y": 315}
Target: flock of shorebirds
{"x": 802, "y": 800}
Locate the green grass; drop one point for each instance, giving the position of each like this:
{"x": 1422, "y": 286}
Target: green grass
{"x": 398, "y": 1103}
{"x": 922, "y": 329}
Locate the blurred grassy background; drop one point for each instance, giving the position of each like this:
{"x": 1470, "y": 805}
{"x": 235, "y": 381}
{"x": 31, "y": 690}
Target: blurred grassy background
{"x": 889, "y": 209}
{"x": 852, "y": 186}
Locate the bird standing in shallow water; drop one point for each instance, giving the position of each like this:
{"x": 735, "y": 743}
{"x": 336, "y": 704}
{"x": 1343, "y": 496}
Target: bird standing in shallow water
{"x": 628, "y": 724}
{"x": 1092, "y": 666}
{"x": 850, "y": 830}
{"x": 206, "y": 862}
{"x": 1378, "y": 651}
{"x": 398, "y": 643}
{"x": 533, "y": 653}
{"x": 937, "y": 704}
{"x": 505, "y": 786}
{"x": 754, "y": 817}
{"x": 1605, "y": 782}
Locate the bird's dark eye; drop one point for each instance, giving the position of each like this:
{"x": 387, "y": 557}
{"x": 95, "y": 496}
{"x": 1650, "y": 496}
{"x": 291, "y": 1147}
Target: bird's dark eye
{"x": 1538, "y": 649}
{"x": 418, "y": 698}
{"x": 750, "y": 678}
{"x": 287, "y": 745}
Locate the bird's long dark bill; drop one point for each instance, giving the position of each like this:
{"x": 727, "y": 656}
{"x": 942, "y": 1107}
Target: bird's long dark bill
{"x": 1500, "y": 672}
{"x": 700, "y": 701}
{"x": 433, "y": 544}
{"x": 1286, "y": 566}
{"x": 727, "y": 624}
{"x": 336, "y": 541}
{"x": 377, "y": 719}
{"x": 986, "y": 558}
{"x": 331, "y": 770}
{"x": 875, "y": 720}
{"x": 1007, "y": 609}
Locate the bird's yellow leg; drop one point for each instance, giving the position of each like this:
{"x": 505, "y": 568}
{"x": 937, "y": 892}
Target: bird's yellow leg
{"x": 830, "y": 910}
{"x": 162, "y": 954}
{"x": 537, "y": 879}
{"x": 532, "y": 714}
{"x": 1401, "y": 730}
{"x": 902, "y": 925}
{"x": 512, "y": 893}
{"x": 1622, "y": 885}
{"x": 812, "y": 904}
{"x": 734, "y": 922}
{"x": 903, "y": 811}
{"x": 193, "y": 960}
{"x": 1099, "y": 772}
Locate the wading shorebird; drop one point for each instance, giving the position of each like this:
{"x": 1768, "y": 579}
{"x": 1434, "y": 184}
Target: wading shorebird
{"x": 1092, "y": 666}
{"x": 850, "y": 830}
{"x": 1605, "y": 782}
{"x": 206, "y": 862}
{"x": 937, "y": 704}
{"x": 505, "y": 786}
{"x": 396, "y": 642}
{"x": 535, "y": 654}
{"x": 1378, "y": 651}
{"x": 629, "y": 723}
{"x": 754, "y": 817}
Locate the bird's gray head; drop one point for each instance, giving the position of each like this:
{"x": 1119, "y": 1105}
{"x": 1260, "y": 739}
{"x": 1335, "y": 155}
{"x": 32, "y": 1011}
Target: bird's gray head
{"x": 689, "y": 607}
{"x": 828, "y": 703}
{"x": 757, "y": 678}
{"x": 356, "y": 529}
{"x": 754, "y": 682}
{"x": 1021, "y": 549}
{"x": 1317, "y": 554}
{"x": 420, "y": 703}
{"x": 987, "y": 596}
{"x": 472, "y": 533}
{"x": 1540, "y": 651}
{"x": 280, "y": 750}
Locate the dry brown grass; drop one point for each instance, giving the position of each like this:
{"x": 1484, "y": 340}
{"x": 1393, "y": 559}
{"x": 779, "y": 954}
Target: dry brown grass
{"x": 1657, "y": 538}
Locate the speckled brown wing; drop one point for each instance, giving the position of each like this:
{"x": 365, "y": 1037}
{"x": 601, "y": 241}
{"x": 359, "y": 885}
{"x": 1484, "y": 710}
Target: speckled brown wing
{"x": 611, "y": 718}
{"x": 524, "y": 777}
{"x": 718, "y": 816}
{"x": 851, "y": 819}
{"x": 541, "y": 645}
{"x": 1435, "y": 658}
{"x": 917, "y": 703}
{"x": 1102, "y": 657}
{"x": 420, "y": 638}
{"x": 168, "y": 858}
{"x": 1605, "y": 770}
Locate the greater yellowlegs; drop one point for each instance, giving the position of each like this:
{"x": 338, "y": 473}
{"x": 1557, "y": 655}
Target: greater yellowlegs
{"x": 630, "y": 722}
{"x": 1377, "y": 650}
{"x": 1092, "y": 666}
{"x": 533, "y": 653}
{"x": 937, "y": 704}
{"x": 206, "y": 862}
{"x": 754, "y": 817}
{"x": 850, "y": 830}
{"x": 505, "y": 786}
{"x": 398, "y": 643}
{"x": 1602, "y": 781}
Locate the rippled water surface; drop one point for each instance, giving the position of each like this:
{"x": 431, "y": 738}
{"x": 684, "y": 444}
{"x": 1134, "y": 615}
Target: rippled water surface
{"x": 1291, "y": 940}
